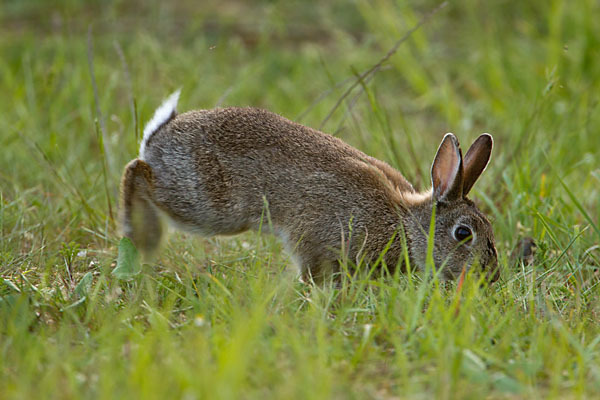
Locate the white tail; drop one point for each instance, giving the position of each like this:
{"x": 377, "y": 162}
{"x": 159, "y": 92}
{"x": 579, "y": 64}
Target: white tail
{"x": 162, "y": 114}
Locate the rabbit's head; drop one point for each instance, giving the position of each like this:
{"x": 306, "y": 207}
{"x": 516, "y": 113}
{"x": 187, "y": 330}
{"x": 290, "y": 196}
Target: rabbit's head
{"x": 463, "y": 235}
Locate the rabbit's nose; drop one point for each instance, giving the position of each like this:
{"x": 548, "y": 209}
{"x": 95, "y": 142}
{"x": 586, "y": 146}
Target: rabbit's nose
{"x": 492, "y": 249}
{"x": 492, "y": 267}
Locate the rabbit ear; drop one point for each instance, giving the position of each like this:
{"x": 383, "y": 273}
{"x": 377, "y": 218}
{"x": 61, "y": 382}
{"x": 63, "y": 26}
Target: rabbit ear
{"x": 447, "y": 170}
{"x": 476, "y": 159}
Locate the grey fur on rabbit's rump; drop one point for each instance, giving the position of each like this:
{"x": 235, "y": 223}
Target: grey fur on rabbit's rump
{"x": 217, "y": 172}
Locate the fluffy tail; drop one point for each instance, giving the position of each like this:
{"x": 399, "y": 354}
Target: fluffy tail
{"x": 162, "y": 115}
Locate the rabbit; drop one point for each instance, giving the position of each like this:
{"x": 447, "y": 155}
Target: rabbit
{"x": 224, "y": 171}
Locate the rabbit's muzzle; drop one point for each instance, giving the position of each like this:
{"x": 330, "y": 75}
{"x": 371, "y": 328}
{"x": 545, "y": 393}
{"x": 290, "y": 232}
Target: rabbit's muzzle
{"x": 492, "y": 268}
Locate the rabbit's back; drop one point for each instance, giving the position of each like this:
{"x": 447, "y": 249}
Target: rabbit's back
{"x": 215, "y": 170}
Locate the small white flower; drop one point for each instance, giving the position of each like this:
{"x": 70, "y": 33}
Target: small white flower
{"x": 199, "y": 321}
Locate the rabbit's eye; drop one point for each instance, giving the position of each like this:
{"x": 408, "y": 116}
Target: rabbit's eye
{"x": 463, "y": 234}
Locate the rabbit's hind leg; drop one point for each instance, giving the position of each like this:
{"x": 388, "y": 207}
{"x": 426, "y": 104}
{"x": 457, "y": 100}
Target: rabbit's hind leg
{"x": 140, "y": 220}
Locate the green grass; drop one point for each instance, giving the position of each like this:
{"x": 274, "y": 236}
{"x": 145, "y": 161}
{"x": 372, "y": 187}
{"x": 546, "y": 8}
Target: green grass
{"x": 225, "y": 317}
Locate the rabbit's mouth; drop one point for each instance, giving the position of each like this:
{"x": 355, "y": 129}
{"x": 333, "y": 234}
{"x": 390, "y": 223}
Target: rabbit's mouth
{"x": 493, "y": 272}
{"x": 490, "y": 268}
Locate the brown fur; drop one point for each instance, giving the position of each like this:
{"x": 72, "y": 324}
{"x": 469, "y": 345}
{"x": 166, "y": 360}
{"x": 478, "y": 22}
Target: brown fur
{"x": 218, "y": 172}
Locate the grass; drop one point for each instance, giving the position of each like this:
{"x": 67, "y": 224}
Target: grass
{"x": 224, "y": 317}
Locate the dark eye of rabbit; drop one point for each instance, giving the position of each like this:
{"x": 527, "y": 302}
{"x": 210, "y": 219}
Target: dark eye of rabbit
{"x": 462, "y": 233}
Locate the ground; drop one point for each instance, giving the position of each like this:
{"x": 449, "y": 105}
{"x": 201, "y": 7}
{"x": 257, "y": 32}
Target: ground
{"x": 225, "y": 317}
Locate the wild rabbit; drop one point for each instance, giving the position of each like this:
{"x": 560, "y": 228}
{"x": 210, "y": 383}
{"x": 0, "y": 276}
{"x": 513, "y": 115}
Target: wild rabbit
{"x": 227, "y": 170}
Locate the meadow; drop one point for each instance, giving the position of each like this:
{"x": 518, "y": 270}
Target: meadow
{"x": 226, "y": 317}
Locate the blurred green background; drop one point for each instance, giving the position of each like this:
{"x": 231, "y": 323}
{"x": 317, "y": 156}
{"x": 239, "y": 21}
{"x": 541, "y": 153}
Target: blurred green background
{"x": 527, "y": 72}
